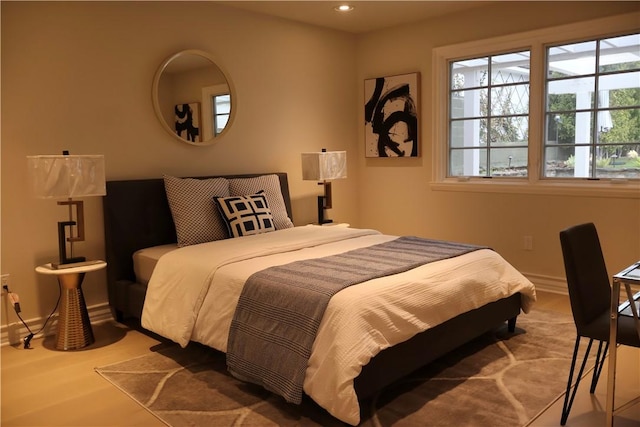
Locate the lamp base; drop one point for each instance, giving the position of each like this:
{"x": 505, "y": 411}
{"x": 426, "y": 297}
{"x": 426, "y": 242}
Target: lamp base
{"x": 82, "y": 263}
{"x": 321, "y": 208}
{"x": 71, "y": 262}
{"x": 62, "y": 245}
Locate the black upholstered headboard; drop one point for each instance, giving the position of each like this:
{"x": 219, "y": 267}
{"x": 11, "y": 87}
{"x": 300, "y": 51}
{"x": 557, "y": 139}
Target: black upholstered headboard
{"x": 137, "y": 216}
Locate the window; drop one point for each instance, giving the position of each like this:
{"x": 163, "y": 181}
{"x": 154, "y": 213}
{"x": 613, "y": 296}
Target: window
{"x": 592, "y": 115}
{"x": 221, "y": 109}
{"x": 216, "y": 110}
{"x": 489, "y": 115}
{"x": 548, "y": 111}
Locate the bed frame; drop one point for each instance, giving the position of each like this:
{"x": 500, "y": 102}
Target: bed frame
{"x": 137, "y": 215}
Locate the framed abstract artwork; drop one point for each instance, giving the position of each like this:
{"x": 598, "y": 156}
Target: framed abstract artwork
{"x": 187, "y": 121}
{"x": 391, "y": 116}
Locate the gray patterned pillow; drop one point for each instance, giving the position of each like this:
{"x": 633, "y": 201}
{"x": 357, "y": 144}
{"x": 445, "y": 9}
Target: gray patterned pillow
{"x": 246, "y": 215}
{"x": 271, "y": 186}
{"x": 193, "y": 209}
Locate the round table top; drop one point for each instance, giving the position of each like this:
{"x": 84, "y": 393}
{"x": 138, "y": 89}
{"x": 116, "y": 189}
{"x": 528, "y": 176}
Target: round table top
{"x": 82, "y": 268}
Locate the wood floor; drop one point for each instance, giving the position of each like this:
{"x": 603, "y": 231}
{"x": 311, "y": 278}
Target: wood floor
{"x": 589, "y": 409}
{"x": 44, "y": 387}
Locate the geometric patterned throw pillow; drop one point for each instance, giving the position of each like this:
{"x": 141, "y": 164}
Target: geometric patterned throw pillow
{"x": 194, "y": 212}
{"x": 270, "y": 184}
{"x": 246, "y": 215}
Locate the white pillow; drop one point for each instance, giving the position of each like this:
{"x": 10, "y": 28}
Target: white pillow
{"x": 194, "y": 210}
{"x": 271, "y": 186}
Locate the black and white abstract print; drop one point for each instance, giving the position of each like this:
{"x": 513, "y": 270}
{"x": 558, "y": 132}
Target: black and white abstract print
{"x": 391, "y": 116}
{"x": 188, "y": 121}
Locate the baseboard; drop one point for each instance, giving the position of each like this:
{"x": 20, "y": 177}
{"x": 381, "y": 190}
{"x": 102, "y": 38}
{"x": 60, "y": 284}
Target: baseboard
{"x": 15, "y": 332}
{"x": 556, "y": 285}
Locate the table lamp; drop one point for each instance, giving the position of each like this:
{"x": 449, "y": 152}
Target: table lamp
{"x": 67, "y": 177}
{"x": 324, "y": 166}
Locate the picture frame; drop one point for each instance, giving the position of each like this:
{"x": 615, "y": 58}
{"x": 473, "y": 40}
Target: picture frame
{"x": 187, "y": 121}
{"x": 391, "y": 106}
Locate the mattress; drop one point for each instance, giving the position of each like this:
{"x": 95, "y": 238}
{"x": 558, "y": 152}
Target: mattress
{"x": 145, "y": 260}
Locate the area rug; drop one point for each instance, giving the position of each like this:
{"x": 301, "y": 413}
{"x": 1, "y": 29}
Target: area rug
{"x": 499, "y": 379}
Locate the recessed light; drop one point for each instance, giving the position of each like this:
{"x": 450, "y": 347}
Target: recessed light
{"x": 344, "y": 8}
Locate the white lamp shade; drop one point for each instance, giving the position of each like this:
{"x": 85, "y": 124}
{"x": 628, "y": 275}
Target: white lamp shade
{"x": 325, "y": 165}
{"x": 65, "y": 176}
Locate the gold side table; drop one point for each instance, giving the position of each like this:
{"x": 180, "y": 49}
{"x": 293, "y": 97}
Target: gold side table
{"x": 74, "y": 328}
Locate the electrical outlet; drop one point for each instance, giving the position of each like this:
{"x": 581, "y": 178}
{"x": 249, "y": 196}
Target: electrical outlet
{"x": 5, "y": 281}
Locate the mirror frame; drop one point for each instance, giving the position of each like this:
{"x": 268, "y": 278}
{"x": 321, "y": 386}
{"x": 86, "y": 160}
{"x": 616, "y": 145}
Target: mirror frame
{"x": 156, "y": 101}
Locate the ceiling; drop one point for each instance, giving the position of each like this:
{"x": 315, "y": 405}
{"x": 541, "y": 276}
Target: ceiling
{"x": 366, "y": 15}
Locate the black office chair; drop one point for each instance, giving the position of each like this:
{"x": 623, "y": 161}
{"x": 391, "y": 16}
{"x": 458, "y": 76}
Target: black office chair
{"x": 590, "y": 296}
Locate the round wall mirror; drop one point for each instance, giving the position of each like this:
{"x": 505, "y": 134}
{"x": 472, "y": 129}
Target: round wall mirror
{"x": 192, "y": 97}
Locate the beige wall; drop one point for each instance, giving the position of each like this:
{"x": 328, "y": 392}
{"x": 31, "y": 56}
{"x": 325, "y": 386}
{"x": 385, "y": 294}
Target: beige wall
{"x": 395, "y": 194}
{"x": 77, "y": 76}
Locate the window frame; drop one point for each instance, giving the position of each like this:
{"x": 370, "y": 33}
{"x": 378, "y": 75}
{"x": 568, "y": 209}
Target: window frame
{"x": 216, "y": 114}
{"x": 208, "y": 92}
{"x": 536, "y": 42}
{"x": 489, "y": 116}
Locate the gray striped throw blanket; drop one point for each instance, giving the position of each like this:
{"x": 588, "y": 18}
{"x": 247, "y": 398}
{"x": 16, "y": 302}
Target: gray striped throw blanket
{"x": 281, "y": 307}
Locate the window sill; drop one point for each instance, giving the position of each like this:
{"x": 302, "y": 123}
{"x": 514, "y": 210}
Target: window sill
{"x": 582, "y": 188}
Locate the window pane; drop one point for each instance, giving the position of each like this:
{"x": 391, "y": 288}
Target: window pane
{"x": 510, "y": 68}
{"x": 620, "y": 53}
{"x": 625, "y": 163}
{"x": 619, "y": 90}
{"x": 560, "y": 128}
{"x": 617, "y": 169}
{"x": 509, "y": 161}
{"x": 469, "y": 73}
{"x": 571, "y": 60}
{"x": 509, "y": 100}
{"x": 568, "y": 161}
{"x": 619, "y": 126}
{"x": 509, "y": 131}
{"x": 570, "y": 94}
{"x": 468, "y": 133}
{"x": 579, "y": 128}
{"x": 468, "y": 103}
{"x": 469, "y": 162}
{"x": 576, "y": 162}
{"x": 221, "y": 123}
{"x": 223, "y": 104}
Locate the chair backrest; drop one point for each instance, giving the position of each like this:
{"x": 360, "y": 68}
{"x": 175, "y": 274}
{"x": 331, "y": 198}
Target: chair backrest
{"x": 587, "y": 278}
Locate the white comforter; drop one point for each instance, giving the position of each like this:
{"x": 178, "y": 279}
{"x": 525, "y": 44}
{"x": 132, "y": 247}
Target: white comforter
{"x": 193, "y": 292}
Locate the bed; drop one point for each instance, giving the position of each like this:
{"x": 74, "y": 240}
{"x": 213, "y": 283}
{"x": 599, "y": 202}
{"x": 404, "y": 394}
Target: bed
{"x": 139, "y": 222}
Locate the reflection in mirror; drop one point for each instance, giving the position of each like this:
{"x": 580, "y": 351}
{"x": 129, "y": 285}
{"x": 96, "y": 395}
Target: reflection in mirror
{"x": 192, "y": 97}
